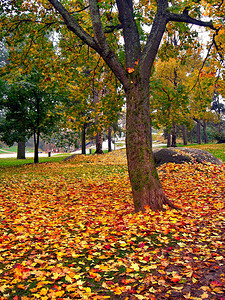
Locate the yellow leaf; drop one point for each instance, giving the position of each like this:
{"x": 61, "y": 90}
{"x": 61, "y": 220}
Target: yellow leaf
{"x": 3, "y": 288}
{"x": 152, "y": 290}
{"x": 88, "y": 290}
{"x": 204, "y": 295}
{"x": 59, "y": 293}
{"x": 205, "y": 288}
{"x": 194, "y": 280}
{"x": 189, "y": 274}
{"x": 179, "y": 288}
{"x": 219, "y": 257}
{"x": 79, "y": 282}
{"x": 135, "y": 266}
{"x": 71, "y": 287}
{"x": 43, "y": 291}
{"x": 69, "y": 279}
{"x": 55, "y": 275}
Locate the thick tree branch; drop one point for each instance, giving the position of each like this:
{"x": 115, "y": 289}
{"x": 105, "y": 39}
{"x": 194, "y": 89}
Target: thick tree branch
{"x": 152, "y": 45}
{"x": 97, "y": 26}
{"x": 130, "y": 32}
{"x": 73, "y": 25}
{"x": 187, "y": 19}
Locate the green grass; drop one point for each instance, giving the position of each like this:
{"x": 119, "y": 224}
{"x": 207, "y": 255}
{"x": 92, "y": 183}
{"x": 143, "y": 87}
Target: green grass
{"x": 13, "y": 162}
{"x": 218, "y": 150}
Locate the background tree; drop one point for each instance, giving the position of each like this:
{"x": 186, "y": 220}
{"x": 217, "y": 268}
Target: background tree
{"x": 170, "y": 98}
{"x": 28, "y": 111}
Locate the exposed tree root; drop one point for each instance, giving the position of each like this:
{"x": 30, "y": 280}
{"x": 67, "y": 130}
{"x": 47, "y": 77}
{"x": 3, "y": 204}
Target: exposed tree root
{"x": 166, "y": 201}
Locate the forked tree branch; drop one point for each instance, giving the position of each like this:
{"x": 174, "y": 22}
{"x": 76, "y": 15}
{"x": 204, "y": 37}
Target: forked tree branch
{"x": 98, "y": 43}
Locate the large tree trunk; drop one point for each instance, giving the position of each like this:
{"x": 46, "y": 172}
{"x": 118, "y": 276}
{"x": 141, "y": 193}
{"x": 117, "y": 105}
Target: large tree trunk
{"x": 21, "y": 150}
{"x": 146, "y": 187}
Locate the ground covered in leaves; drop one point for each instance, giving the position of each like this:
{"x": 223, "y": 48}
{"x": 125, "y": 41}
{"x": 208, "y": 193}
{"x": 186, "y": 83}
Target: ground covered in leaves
{"x": 68, "y": 231}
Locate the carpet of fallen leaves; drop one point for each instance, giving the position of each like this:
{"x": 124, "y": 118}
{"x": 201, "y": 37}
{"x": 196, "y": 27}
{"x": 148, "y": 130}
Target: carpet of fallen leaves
{"x": 68, "y": 231}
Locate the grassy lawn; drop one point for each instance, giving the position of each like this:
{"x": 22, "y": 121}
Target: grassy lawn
{"x": 68, "y": 231}
{"x": 218, "y": 150}
{"x": 9, "y": 162}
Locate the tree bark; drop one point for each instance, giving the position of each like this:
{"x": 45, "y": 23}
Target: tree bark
{"x": 205, "y": 132}
{"x": 83, "y": 139}
{"x": 99, "y": 141}
{"x": 174, "y": 136}
{"x": 21, "y": 150}
{"x": 36, "y": 146}
{"x": 109, "y": 139}
{"x": 168, "y": 138}
{"x": 146, "y": 187}
{"x": 184, "y": 132}
{"x": 198, "y": 132}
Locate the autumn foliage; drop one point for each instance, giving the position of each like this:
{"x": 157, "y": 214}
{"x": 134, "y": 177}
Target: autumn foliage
{"x": 68, "y": 231}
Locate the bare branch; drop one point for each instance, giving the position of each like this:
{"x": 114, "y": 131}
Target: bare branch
{"x": 80, "y": 10}
{"x": 217, "y": 49}
{"x": 199, "y": 72}
{"x": 184, "y": 17}
{"x": 152, "y": 45}
{"x": 97, "y": 26}
{"x": 130, "y": 32}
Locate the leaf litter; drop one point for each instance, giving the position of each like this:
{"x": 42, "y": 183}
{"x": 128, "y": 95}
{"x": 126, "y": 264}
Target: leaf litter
{"x": 69, "y": 231}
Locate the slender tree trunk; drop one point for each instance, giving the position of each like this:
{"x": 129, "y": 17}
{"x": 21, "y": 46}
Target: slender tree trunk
{"x": 36, "y": 146}
{"x": 191, "y": 137}
{"x": 174, "y": 135}
{"x": 205, "y": 132}
{"x": 99, "y": 141}
{"x": 21, "y": 150}
{"x": 83, "y": 139}
{"x": 109, "y": 139}
{"x": 198, "y": 132}
{"x": 146, "y": 187}
{"x": 168, "y": 138}
{"x": 37, "y": 133}
{"x": 184, "y": 132}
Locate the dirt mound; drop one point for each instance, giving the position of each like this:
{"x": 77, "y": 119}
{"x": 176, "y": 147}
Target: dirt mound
{"x": 182, "y": 155}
